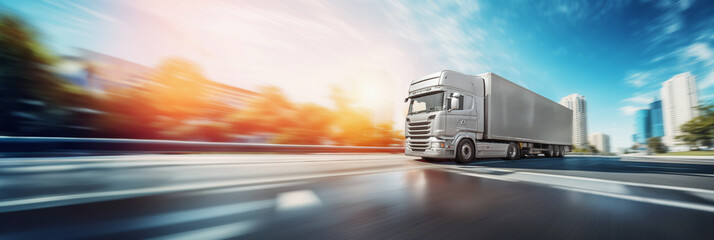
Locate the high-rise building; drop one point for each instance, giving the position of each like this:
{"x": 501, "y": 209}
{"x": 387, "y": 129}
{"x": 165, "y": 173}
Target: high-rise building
{"x": 643, "y": 126}
{"x": 576, "y": 102}
{"x": 601, "y": 141}
{"x": 679, "y": 97}
{"x": 656, "y": 122}
{"x": 648, "y": 123}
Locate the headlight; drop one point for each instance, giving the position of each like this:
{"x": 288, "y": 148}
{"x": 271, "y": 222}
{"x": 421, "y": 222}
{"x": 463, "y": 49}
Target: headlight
{"x": 437, "y": 145}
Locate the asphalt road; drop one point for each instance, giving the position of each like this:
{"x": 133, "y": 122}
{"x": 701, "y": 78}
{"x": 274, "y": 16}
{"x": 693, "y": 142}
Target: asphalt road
{"x": 373, "y": 196}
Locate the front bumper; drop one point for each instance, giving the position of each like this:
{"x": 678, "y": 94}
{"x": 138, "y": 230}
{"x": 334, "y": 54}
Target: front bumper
{"x": 447, "y": 152}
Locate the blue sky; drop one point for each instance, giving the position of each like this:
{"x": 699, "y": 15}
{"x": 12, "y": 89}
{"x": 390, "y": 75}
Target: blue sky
{"x": 615, "y": 53}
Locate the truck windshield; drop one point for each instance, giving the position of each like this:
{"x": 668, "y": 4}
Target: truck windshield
{"x": 427, "y": 103}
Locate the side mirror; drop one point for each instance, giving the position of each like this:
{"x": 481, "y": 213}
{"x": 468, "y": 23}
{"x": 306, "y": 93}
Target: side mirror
{"x": 455, "y": 101}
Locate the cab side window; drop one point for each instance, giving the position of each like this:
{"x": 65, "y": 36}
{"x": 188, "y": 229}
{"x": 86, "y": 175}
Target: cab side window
{"x": 467, "y": 102}
{"x": 461, "y": 103}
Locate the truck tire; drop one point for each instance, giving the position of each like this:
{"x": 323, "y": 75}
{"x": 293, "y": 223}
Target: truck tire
{"x": 465, "y": 152}
{"x": 556, "y": 151}
{"x": 562, "y": 151}
{"x": 550, "y": 152}
{"x": 512, "y": 152}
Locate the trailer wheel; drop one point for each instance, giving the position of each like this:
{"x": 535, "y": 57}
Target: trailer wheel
{"x": 550, "y": 152}
{"x": 562, "y": 151}
{"x": 556, "y": 151}
{"x": 512, "y": 152}
{"x": 465, "y": 152}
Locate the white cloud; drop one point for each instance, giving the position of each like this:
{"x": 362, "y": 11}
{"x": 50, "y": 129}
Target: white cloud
{"x": 639, "y": 99}
{"x": 95, "y": 13}
{"x": 708, "y": 81}
{"x": 638, "y": 79}
{"x": 701, "y": 52}
{"x": 455, "y": 48}
{"x": 629, "y": 110}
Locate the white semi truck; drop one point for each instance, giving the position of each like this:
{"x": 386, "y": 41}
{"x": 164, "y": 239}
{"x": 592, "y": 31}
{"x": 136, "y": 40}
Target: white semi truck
{"x": 463, "y": 117}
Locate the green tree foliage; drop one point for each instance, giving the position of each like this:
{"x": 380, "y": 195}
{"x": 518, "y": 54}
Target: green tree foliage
{"x": 24, "y": 78}
{"x": 700, "y": 130}
{"x": 655, "y": 144}
{"x": 593, "y": 149}
{"x": 33, "y": 100}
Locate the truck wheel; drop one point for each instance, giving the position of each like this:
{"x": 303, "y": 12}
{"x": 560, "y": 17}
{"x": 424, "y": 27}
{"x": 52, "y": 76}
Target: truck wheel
{"x": 562, "y": 151}
{"x": 512, "y": 152}
{"x": 465, "y": 152}
{"x": 550, "y": 152}
{"x": 556, "y": 151}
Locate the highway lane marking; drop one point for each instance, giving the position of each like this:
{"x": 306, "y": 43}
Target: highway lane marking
{"x": 235, "y": 158}
{"x": 610, "y": 188}
{"x": 225, "y": 231}
{"x": 145, "y": 222}
{"x": 671, "y": 203}
{"x": 61, "y": 200}
{"x": 668, "y": 187}
{"x": 95, "y": 165}
{"x": 484, "y": 176}
{"x": 297, "y": 199}
{"x": 245, "y": 188}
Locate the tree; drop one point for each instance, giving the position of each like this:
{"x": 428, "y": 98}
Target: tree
{"x": 593, "y": 149}
{"x": 655, "y": 144}
{"x": 27, "y": 87}
{"x": 269, "y": 113}
{"x": 700, "y": 130}
{"x": 180, "y": 90}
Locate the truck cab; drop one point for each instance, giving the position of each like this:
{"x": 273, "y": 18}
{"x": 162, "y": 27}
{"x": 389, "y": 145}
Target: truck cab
{"x": 443, "y": 105}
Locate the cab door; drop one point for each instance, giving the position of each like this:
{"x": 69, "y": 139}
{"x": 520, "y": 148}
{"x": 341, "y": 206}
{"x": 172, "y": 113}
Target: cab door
{"x": 460, "y": 118}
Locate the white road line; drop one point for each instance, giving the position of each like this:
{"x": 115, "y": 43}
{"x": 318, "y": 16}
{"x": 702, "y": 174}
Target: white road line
{"x": 246, "y": 188}
{"x": 225, "y": 231}
{"x": 61, "y": 200}
{"x": 668, "y": 187}
{"x": 297, "y": 199}
{"x": 234, "y": 158}
{"x": 483, "y": 176}
{"x": 609, "y": 188}
{"x": 94, "y": 165}
{"x": 23, "y": 167}
{"x": 145, "y": 222}
{"x": 671, "y": 203}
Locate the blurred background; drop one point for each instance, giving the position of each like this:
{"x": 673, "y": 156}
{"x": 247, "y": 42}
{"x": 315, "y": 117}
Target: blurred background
{"x": 336, "y": 72}
{"x": 85, "y": 83}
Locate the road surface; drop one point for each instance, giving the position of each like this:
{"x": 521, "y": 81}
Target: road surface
{"x": 365, "y": 196}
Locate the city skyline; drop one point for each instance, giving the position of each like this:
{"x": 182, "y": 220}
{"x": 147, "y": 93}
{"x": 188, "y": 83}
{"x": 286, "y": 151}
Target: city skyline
{"x": 578, "y": 46}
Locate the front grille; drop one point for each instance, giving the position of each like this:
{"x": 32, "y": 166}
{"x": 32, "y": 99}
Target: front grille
{"x": 418, "y": 133}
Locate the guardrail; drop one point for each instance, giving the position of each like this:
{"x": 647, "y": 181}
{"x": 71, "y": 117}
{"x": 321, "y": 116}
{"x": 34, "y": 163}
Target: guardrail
{"x": 109, "y": 145}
